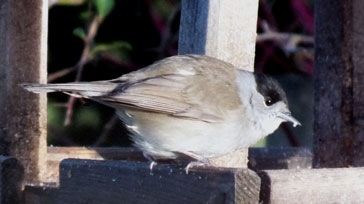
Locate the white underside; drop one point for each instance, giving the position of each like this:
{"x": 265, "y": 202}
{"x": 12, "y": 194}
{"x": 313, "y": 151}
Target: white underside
{"x": 164, "y": 136}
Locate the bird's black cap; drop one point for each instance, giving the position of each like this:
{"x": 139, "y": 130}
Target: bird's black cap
{"x": 270, "y": 89}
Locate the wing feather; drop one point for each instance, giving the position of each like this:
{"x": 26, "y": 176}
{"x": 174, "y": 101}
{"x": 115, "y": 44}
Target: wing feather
{"x": 165, "y": 94}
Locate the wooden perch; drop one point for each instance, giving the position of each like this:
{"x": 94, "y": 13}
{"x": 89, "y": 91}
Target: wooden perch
{"x": 86, "y": 181}
{"x": 259, "y": 158}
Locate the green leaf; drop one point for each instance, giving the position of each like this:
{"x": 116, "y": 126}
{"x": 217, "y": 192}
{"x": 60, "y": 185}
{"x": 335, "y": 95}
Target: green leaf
{"x": 104, "y": 7}
{"x": 113, "y": 47}
{"x": 85, "y": 15}
{"x": 79, "y": 32}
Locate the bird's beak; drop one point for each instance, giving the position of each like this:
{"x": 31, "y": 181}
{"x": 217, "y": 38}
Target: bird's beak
{"x": 288, "y": 117}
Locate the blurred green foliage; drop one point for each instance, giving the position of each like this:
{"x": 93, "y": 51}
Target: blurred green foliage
{"x": 79, "y": 32}
{"x": 103, "y": 7}
{"x": 117, "y": 49}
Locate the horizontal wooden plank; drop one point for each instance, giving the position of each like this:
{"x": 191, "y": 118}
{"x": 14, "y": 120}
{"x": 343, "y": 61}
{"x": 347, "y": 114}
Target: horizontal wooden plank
{"x": 90, "y": 181}
{"x": 336, "y": 185}
{"x": 57, "y": 154}
{"x": 85, "y": 181}
{"x": 259, "y": 158}
{"x": 97, "y": 153}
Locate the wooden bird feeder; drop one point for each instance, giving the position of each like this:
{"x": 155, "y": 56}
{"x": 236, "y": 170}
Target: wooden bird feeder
{"x": 32, "y": 172}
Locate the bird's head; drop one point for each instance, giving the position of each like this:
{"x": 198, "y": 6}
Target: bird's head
{"x": 270, "y": 104}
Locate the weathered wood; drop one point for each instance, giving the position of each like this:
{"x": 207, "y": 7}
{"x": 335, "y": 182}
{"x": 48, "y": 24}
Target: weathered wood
{"x": 222, "y": 29}
{"x": 358, "y": 85}
{"x": 341, "y": 185}
{"x": 339, "y": 88}
{"x": 57, "y": 154}
{"x": 86, "y": 181}
{"x": 97, "y": 153}
{"x": 23, "y": 55}
{"x": 259, "y": 158}
{"x": 11, "y": 174}
{"x": 225, "y": 30}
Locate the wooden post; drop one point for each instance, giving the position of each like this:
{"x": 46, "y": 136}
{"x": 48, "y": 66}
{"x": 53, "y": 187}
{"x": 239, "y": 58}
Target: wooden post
{"x": 339, "y": 87}
{"x": 23, "y": 58}
{"x": 225, "y": 30}
{"x": 222, "y": 29}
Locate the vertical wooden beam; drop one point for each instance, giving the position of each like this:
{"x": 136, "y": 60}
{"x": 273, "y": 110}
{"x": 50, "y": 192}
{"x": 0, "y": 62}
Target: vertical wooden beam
{"x": 358, "y": 83}
{"x": 23, "y": 58}
{"x": 339, "y": 87}
{"x": 225, "y": 30}
{"x": 222, "y": 29}
{"x": 11, "y": 174}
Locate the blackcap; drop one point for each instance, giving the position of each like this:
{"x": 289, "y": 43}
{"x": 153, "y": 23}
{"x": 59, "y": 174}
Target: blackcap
{"x": 190, "y": 105}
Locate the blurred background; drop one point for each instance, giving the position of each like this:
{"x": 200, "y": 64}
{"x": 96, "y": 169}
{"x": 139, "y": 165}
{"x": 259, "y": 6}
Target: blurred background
{"x": 103, "y": 39}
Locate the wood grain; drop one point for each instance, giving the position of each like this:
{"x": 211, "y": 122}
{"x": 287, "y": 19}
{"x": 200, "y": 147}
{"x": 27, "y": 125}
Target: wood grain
{"x": 222, "y": 29}
{"x": 336, "y": 185}
{"x": 339, "y": 88}
{"x": 86, "y": 181}
{"x": 23, "y": 58}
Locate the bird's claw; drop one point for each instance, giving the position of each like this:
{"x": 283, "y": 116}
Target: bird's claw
{"x": 152, "y": 162}
{"x": 152, "y": 165}
{"x": 196, "y": 164}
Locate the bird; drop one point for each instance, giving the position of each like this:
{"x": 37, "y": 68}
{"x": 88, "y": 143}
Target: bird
{"x": 188, "y": 105}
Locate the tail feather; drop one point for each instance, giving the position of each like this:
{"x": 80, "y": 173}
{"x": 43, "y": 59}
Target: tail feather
{"x": 78, "y": 89}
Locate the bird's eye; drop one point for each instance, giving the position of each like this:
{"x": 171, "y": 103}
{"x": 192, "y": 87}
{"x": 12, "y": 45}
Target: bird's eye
{"x": 269, "y": 102}
{"x": 271, "y": 97}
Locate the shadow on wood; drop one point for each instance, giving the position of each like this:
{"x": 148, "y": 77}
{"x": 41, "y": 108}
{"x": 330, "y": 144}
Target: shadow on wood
{"x": 11, "y": 178}
{"x": 280, "y": 158}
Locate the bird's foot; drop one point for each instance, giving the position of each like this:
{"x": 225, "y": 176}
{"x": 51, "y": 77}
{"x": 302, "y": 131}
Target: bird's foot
{"x": 196, "y": 164}
{"x": 152, "y": 165}
{"x": 150, "y": 159}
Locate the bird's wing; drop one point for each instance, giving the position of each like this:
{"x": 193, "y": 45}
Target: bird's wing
{"x": 189, "y": 86}
{"x": 190, "y": 96}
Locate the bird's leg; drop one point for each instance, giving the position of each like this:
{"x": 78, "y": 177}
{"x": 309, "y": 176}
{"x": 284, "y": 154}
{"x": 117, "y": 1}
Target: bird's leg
{"x": 201, "y": 161}
{"x": 151, "y": 160}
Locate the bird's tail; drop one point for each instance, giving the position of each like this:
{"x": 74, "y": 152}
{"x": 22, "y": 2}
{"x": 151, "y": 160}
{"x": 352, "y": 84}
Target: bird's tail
{"x": 77, "y": 89}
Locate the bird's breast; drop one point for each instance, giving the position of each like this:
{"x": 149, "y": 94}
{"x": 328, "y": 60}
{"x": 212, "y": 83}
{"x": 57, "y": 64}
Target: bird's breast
{"x": 162, "y": 135}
